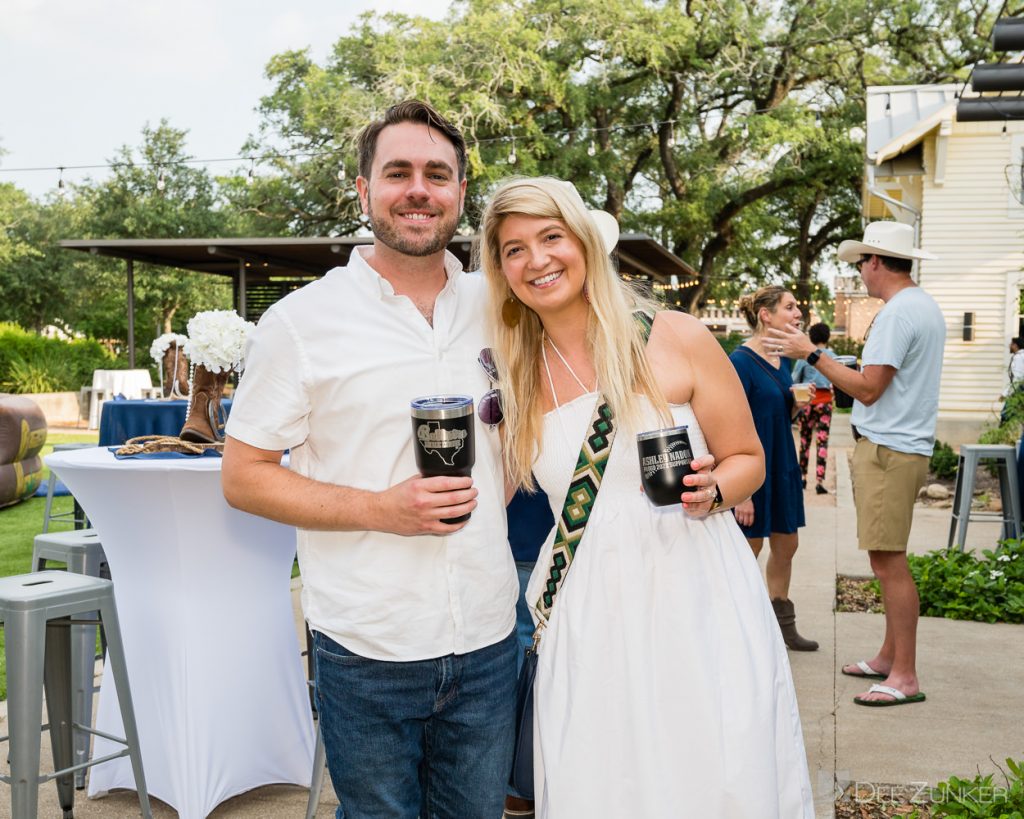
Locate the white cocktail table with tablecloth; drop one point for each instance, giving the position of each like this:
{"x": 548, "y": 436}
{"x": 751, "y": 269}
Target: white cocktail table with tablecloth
{"x": 203, "y": 596}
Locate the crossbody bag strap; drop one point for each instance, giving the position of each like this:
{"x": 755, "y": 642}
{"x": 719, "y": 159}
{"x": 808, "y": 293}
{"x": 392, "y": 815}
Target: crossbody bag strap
{"x": 771, "y": 373}
{"x": 583, "y": 489}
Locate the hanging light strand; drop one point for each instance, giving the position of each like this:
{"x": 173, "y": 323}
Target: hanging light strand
{"x": 337, "y": 152}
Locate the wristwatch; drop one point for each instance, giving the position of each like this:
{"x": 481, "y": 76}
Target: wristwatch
{"x": 718, "y": 501}
{"x": 812, "y": 359}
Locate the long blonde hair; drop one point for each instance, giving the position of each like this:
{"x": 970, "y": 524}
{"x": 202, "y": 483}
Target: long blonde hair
{"x": 613, "y": 337}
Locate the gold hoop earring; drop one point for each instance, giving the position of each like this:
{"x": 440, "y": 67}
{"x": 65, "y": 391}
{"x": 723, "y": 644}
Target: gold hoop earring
{"x": 511, "y": 312}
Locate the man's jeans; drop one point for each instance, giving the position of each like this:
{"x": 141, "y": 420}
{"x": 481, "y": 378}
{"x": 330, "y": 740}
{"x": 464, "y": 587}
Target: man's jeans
{"x": 430, "y": 738}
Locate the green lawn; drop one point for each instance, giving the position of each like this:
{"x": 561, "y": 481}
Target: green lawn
{"x": 22, "y": 522}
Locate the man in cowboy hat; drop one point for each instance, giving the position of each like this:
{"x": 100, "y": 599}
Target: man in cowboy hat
{"x": 896, "y": 396}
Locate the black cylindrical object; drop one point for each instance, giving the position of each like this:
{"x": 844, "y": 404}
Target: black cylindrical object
{"x": 665, "y": 456}
{"x": 989, "y": 109}
{"x": 998, "y": 77}
{"x": 844, "y": 401}
{"x": 1008, "y": 34}
{"x": 443, "y": 438}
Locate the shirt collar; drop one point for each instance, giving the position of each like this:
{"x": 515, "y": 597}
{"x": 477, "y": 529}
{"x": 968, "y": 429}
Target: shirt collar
{"x": 367, "y": 275}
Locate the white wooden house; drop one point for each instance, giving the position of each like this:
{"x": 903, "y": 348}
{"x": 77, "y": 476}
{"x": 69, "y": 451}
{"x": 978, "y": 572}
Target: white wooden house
{"x": 959, "y": 185}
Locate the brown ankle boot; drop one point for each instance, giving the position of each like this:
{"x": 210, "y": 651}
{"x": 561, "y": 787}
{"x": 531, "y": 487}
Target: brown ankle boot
{"x": 786, "y": 616}
{"x": 204, "y": 424}
{"x": 174, "y": 371}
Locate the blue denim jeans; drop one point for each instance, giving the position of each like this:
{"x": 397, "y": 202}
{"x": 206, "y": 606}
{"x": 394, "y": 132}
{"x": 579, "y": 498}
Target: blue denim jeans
{"x": 430, "y": 738}
{"x": 524, "y": 620}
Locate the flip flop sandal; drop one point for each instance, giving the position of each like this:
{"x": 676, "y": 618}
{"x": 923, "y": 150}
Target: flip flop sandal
{"x": 866, "y": 671}
{"x": 899, "y": 698}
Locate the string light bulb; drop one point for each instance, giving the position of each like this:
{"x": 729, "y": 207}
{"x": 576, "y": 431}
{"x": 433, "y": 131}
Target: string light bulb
{"x": 671, "y": 141}
{"x": 512, "y": 153}
{"x": 592, "y": 149}
{"x": 341, "y": 173}
{"x": 161, "y": 183}
{"x": 251, "y": 176}
{"x": 61, "y": 187}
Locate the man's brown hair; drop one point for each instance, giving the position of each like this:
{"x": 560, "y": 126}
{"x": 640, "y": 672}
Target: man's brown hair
{"x": 408, "y": 111}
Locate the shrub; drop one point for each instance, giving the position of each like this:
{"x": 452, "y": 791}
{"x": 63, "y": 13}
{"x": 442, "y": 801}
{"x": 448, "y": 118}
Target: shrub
{"x": 842, "y": 345}
{"x": 944, "y": 461}
{"x": 960, "y": 586}
{"x": 32, "y": 363}
{"x": 731, "y": 341}
{"x": 1008, "y": 430}
{"x": 980, "y": 797}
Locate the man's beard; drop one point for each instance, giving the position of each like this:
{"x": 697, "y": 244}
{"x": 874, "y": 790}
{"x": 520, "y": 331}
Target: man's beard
{"x": 387, "y": 231}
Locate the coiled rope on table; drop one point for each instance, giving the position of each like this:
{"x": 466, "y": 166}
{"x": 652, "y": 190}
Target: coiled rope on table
{"x": 146, "y": 444}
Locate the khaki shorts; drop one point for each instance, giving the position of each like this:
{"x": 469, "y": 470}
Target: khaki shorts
{"x": 885, "y": 486}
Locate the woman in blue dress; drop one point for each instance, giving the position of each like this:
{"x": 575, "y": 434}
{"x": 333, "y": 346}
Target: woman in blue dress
{"x": 776, "y": 510}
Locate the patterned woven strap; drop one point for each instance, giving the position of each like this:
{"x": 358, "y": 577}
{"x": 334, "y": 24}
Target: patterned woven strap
{"x": 579, "y": 500}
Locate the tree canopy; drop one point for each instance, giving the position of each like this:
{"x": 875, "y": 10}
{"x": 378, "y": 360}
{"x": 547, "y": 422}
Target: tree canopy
{"x": 723, "y": 129}
{"x": 731, "y": 131}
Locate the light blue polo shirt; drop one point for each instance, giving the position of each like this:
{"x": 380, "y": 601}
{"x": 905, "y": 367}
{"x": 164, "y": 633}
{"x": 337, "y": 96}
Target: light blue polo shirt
{"x": 909, "y": 334}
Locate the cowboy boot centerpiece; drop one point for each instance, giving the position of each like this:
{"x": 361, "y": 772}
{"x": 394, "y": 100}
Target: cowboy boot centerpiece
{"x": 168, "y": 352}
{"x": 216, "y": 346}
{"x": 174, "y": 372}
{"x": 205, "y": 421}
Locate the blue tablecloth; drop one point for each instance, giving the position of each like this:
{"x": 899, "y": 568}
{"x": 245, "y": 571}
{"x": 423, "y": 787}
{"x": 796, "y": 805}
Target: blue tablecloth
{"x": 122, "y": 420}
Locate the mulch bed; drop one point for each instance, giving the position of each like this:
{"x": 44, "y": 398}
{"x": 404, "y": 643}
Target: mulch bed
{"x": 857, "y": 594}
{"x": 877, "y": 801}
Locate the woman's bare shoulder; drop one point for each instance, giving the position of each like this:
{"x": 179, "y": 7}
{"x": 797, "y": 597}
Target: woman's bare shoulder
{"x": 687, "y": 329}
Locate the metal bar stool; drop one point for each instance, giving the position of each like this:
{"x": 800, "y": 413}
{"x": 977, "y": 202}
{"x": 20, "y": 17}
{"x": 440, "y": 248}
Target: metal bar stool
{"x": 76, "y": 517}
{"x": 36, "y": 611}
{"x": 971, "y": 455}
{"x": 316, "y": 784}
{"x": 82, "y": 552}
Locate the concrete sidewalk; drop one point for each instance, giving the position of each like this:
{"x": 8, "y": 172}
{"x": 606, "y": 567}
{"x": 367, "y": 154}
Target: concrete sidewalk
{"x": 971, "y": 672}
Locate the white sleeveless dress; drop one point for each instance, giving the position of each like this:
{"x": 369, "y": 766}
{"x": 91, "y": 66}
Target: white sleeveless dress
{"x": 663, "y": 687}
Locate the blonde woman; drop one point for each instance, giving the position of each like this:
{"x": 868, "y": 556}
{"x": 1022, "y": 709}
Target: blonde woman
{"x": 776, "y": 511}
{"x": 661, "y": 674}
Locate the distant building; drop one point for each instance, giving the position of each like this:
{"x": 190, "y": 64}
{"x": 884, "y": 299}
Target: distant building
{"x": 959, "y": 186}
{"x": 854, "y": 308}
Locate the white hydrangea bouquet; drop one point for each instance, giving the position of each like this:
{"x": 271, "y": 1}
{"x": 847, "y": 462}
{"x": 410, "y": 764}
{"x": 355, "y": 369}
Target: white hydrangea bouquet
{"x": 160, "y": 345}
{"x": 216, "y": 340}
{"x": 168, "y": 351}
{"x": 216, "y": 347}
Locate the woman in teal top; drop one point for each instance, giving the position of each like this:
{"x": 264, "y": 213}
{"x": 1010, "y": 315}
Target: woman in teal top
{"x": 776, "y": 510}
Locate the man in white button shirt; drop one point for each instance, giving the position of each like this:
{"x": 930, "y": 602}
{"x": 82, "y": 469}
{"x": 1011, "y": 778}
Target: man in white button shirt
{"x": 413, "y": 618}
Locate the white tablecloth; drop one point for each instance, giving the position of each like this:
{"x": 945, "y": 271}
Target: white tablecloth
{"x": 108, "y": 383}
{"x": 203, "y": 599}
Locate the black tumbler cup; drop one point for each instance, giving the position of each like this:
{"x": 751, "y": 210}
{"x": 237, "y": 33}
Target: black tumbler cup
{"x": 665, "y": 456}
{"x": 442, "y": 427}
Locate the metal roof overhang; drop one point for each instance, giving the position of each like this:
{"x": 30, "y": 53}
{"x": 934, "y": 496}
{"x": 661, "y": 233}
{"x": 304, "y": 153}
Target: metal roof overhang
{"x": 253, "y": 261}
{"x": 915, "y": 134}
{"x": 265, "y": 258}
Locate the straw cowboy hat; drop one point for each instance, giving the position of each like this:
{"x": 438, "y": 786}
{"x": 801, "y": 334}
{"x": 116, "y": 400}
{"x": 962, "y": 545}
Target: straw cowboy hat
{"x": 884, "y": 239}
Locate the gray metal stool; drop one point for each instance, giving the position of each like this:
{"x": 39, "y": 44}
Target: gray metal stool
{"x": 36, "y": 611}
{"x": 316, "y": 784}
{"x": 76, "y": 517}
{"x": 83, "y": 553}
{"x": 971, "y": 455}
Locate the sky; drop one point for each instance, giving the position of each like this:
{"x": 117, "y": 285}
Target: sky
{"x": 82, "y": 77}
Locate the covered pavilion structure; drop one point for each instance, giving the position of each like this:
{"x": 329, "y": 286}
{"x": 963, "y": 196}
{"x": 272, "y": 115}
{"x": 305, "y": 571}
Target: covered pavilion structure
{"x": 264, "y": 270}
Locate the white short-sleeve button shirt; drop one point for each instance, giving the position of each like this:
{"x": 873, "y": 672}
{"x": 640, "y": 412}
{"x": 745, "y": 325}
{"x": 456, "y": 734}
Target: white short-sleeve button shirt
{"x": 329, "y": 374}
